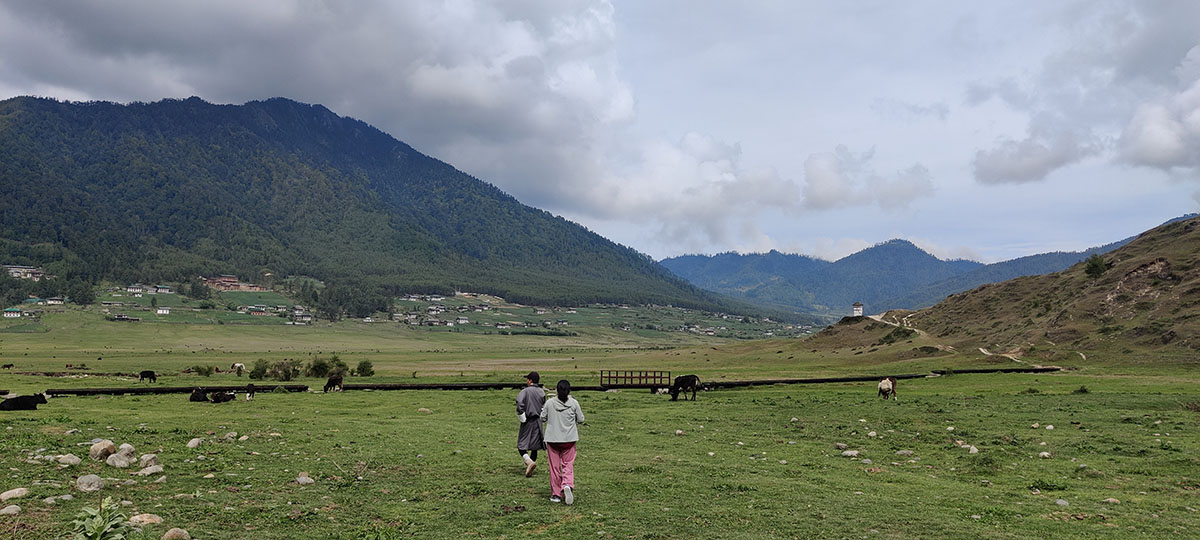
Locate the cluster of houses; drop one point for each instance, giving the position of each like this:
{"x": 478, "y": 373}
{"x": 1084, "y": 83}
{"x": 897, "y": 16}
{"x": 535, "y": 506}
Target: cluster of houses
{"x": 227, "y": 282}
{"x": 297, "y": 314}
{"x": 25, "y": 272}
{"x": 137, "y": 289}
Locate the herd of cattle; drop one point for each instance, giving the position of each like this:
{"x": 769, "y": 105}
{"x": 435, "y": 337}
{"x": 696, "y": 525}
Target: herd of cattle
{"x": 682, "y": 385}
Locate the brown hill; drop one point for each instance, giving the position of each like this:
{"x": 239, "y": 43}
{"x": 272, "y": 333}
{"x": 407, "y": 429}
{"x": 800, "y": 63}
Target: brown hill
{"x": 1146, "y": 297}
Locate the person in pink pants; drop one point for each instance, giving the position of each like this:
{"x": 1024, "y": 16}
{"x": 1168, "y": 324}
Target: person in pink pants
{"x": 562, "y": 415}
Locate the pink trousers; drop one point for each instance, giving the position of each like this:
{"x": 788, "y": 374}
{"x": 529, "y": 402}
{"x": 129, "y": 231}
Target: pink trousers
{"x": 562, "y": 466}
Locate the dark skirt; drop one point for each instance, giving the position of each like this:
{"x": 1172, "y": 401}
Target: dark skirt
{"x": 530, "y": 437}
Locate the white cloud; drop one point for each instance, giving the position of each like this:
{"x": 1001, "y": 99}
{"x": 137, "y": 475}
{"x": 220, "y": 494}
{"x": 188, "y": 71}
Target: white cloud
{"x": 841, "y": 179}
{"x": 1165, "y": 135}
{"x": 1030, "y": 159}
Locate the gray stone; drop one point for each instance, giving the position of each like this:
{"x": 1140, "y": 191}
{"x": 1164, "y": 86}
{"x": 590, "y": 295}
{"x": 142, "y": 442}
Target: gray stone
{"x": 153, "y": 469}
{"x": 177, "y": 534}
{"x": 127, "y": 449}
{"x": 850, "y": 453}
{"x": 148, "y": 460}
{"x": 13, "y": 494}
{"x": 1044, "y": 455}
{"x": 866, "y": 461}
{"x": 10, "y": 510}
{"x": 70, "y": 459}
{"x": 119, "y": 461}
{"x": 904, "y": 452}
{"x": 972, "y": 450}
{"x": 839, "y": 446}
{"x": 304, "y": 480}
{"x": 89, "y": 482}
{"x": 160, "y": 479}
{"x": 1111, "y": 500}
{"x": 67, "y": 497}
{"x": 195, "y": 442}
{"x": 141, "y": 520}
{"x": 102, "y": 450}
{"x": 1062, "y": 502}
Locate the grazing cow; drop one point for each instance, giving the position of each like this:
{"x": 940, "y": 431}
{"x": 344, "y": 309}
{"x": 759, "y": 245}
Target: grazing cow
{"x": 222, "y": 397}
{"x": 334, "y": 382}
{"x": 199, "y": 395}
{"x": 684, "y": 383}
{"x": 22, "y": 403}
{"x": 249, "y": 391}
{"x": 147, "y": 376}
{"x": 238, "y": 368}
{"x": 8, "y": 366}
{"x": 887, "y": 388}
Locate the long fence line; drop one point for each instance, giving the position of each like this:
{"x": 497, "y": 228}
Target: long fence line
{"x": 142, "y": 390}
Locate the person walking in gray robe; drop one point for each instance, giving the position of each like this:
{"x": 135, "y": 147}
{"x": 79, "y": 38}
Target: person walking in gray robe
{"x": 529, "y": 406}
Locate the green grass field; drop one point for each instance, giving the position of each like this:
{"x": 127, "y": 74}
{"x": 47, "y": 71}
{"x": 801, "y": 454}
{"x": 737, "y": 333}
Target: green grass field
{"x": 385, "y": 470}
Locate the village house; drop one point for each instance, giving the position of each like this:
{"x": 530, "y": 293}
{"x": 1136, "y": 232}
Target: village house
{"x": 858, "y": 309}
{"x": 163, "y": 289}
{"x": 12, "y": 313}
{"x": 24, "y": 272}
{"x": 162, "y": 310}
{"x": 462, "y": 320}
{"x": 304, "y": 317}
{"x": 56, "y": 301}
{"x": 136, "y": 288}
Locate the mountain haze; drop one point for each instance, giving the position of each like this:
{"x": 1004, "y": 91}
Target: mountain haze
{"x": 178, "y": 188}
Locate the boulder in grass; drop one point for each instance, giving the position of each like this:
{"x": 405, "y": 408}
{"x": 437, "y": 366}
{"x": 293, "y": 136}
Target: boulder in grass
{"x": 195, "y": 443}
{"x": 850, "y": 453}
{"x": 141, "y": 520}
{"x": 13, "y": 494}
{"x": 120, "y": 461}
{"x": 102, "y": 449}
{"x": 89, "y": 482}
{"x": 10, "y": 510}
{"x": 1111, "y": 500}
{"x": 177, "y": 534}
{"x": 304, "y": 480}
{"x": 69, "y": 459}
{"x": 153, "y": 469}
{"x": 148, "y": 460}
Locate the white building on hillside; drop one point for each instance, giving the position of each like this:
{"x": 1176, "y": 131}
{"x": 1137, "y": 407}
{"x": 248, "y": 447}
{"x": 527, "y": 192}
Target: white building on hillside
{"x": 858, "y": 309}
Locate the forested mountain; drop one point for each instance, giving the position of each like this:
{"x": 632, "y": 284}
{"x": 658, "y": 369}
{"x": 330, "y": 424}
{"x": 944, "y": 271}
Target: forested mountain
{"x": 170, "y": 190}
{"x": 892, "y": 275}
{"x": 1145, "y": 294}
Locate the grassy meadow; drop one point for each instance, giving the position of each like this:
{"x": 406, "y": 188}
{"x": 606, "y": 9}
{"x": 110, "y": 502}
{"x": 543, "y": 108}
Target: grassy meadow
{"x": 758, "y": 462}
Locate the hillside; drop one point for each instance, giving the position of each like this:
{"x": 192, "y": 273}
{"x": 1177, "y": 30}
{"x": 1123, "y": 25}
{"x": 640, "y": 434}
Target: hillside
{"x": 1146, "y": 298}
{"x": 170, "y": 190}
{"x": 873, "y": 276}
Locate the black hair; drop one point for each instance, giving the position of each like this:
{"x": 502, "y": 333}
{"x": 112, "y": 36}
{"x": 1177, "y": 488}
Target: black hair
{"x": 564, "y": 390}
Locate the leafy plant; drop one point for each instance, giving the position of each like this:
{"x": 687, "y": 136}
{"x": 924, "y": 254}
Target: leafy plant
{"x": 104, "y": 523}
{"x": 206, "y": 371}
{"x": 1095, "y": 266}
{"x": 259, "y": 371}
{"x": 365, "y": 369}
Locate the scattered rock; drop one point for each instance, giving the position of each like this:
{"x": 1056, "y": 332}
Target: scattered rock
{"x": 904, "y": 452}
{"x": 871, "y": 434}
{"x": 1062, "y": 502}
{"x": 177, "y": 534}
{"x": 89, "y": 482}
{"x": 49, "y": 500}
{"x": 712, "y": 453}
{"x": 195, "y": 443}
{"x": 71, "y": 431}
{"x": 210, "y": 475}
{"x": 13, "y": 494}
{"x": 126, "y": 503}
{"x": 1044, "y": 455}
{"x": 230, "y": 436}
{"x": 424, "y": 410}
{"x": 70, "y": 459}
{"x": 244, "y": 437}
{"x": 141, "y": 520}
{"x": 1036, "y": 425}
{"x": 160, "y": 479}
{"x": 850, "y": 453}
{"x": 1049, "y": 427}
{"x": 304, "y": 480}
{"x": 1111, "y": 500}
{"x": 867, "y": 461}
{"x": 976, "y": 516}
{"x": 972, "y": 450}
{"x": 127, "y": 449}
{"x": 102, "y": 449}
{"x": 949, "y": 428}
{"x": 67, "y": 497}
{"x": 10, "y": 510}
{"x": 148, "y": 460}
{"x": 794, "y": 419}
{"x": 679, "y": 432}
{"x": 153, "y": 469}
{"x": 119, "y": 461}
{"x": 839, "y": 446}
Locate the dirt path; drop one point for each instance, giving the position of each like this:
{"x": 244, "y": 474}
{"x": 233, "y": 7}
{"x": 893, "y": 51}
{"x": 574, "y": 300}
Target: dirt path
{"x": 1008, "y": 356}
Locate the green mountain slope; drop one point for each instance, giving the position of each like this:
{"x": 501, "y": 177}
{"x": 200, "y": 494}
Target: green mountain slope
{"x": 179, "y": 188}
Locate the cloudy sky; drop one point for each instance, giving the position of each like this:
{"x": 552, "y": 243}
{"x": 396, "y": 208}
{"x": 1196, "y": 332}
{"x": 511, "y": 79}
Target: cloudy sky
{"x": 985, "y": 130}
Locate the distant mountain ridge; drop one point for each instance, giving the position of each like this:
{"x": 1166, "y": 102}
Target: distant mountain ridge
{"x": 179, "y": 188}
{"x": 891, "y": 275}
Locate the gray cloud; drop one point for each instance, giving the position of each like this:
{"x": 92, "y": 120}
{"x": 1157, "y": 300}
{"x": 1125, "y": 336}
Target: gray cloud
{"x": 1030, "y": 159}
{"x": 842, "y": 179}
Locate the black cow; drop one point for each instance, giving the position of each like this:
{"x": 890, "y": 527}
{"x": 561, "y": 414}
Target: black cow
{"x": 198, "y": 395}
{"x": 147, "y": 376}
{"x": 222, "y": 397}
{"x": 249, "y": 391}
{"x": 334, "y": 382}
{"x": 684, "y": 383}
{"x": 22, "y": 403}
{"x": 7, "y": 366}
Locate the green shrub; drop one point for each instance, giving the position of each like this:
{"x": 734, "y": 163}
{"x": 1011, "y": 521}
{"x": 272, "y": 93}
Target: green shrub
{"x": 259, "y": 371}
{"x": 1080, "y": 390}
{"x": 104, "y": 523}
{"x": 1031, "y": 391}
{"x": 284, "y": 370}
{"x": 1095, "y": 266}
{"x": 207, "y": 371}
{"x": 364, "y": 369}
{"x": 321, "y": 367}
